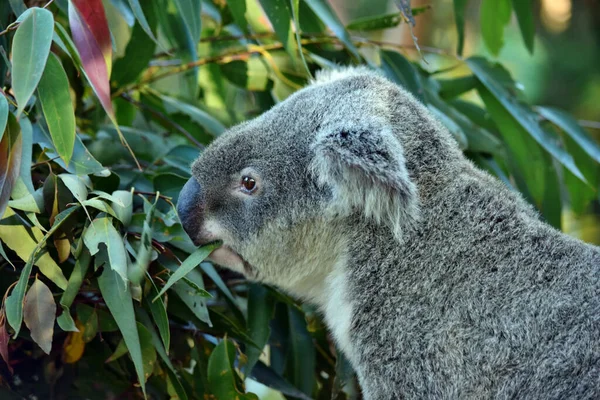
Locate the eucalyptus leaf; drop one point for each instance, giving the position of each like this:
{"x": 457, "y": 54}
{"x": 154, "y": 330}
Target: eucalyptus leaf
{"x": 39, "y": 310}
{"x": 31, "y": 47}
{"x": 117, "y": 297}
{"x": 189, "y": 264}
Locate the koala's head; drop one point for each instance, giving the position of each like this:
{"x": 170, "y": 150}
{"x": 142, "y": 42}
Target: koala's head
{"x": 280, "y": 190}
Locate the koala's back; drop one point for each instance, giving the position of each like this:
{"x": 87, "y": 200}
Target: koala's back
{"x": 483, "y": 301}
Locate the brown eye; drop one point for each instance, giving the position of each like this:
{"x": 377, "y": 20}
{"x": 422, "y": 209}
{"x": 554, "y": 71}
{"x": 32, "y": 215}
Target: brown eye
{"x": 248, "y": 183}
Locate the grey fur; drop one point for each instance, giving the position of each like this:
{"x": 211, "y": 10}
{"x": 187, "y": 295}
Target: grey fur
{"x": 436, "y": 280}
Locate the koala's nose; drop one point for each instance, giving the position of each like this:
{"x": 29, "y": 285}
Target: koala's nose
{"x": 190, "y": 208}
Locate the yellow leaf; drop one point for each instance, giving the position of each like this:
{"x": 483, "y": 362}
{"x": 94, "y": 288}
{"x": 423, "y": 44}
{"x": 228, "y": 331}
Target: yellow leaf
{"x": 18, "y": 240}
{"x": 63, "y": 247}
{"x": 74, "y": 345}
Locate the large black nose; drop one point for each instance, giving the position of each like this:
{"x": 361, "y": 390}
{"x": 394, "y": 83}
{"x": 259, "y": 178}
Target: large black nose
{"x": 190, "y": 208}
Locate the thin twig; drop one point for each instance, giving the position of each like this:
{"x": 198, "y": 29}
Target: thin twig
{"x": 162, "y": 117}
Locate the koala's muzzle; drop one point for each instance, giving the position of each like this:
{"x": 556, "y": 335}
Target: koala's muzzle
{"x": 190, "y": 208}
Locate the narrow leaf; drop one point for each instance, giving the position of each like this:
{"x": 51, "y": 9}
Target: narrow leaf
{"x": 402, "y": 71}
{"x": 10, "y": 160}
{"x": 117, "y": 297}
{"x": 102, "y": 231}
{"x": 31, "y": 46}
{"x": 572, "y": 128}
{"x": 329, "y": 17}
{"x": 141, "y": 19}
{"x": 261, "y": 307}
{"x": 280, "y": 16}
{"x": 93, "y": 17}
{"x": 14, "y": 302}
{"x": 3, "y": 114}
{"x": 202, "y": 118}
{"x": 58, "y": 109}
{"x": 526, "y": 117}
{"x": 158, "y": 310}
{"x": 190, "y": 11}
{"x": 138, "y": 53}
{"x": 39, "y": 312}
{"x": 4, "y": 338}
{"x": 459, "y": 20}
{"x": 92, "y": 58}
{"x": 524, "y": 11}
{"x": 384, "y": 21}
{"x": 494, "y": 16}
{"x": 222, "y": 375}
{"x": 189, "y": 264}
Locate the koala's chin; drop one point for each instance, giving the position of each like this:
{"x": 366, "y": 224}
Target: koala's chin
{"x": 434, "y": 278}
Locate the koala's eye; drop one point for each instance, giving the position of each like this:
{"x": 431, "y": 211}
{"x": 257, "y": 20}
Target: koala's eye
{"x": 248, "y": 184}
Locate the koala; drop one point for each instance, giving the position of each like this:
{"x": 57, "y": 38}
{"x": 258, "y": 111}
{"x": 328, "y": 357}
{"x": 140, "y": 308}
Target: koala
{"x": 436, "y": 280}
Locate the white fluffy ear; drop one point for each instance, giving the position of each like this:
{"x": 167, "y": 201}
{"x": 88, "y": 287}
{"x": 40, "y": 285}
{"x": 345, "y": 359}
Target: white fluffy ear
{"x": 364, "y": 167}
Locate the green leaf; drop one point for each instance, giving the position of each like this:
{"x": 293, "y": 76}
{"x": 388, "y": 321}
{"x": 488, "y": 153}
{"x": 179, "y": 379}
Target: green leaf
{"x": 76, "y": 279}
{"x": 402, "y": 71}
{"x": 81, "y": 163}
{"x": 24, "y": 185}
{"x": 38, "y": 313}
{"x": 193, "y": 295}
{"x": 251, "y": 75}
{"x": 202, "y": 118}
{"x": 261, "y": 307}
{"x": 280, "y": 16}
{"x": 330, "y": 18}
{"x": 524, "y": 10}
{"x": 18, "y": 7}
{"x": 14, "y": 302}
{"x": 56, "y": 102}
{"x": 123, "y": 207}
{"x": 522, "y": 114}
{"x": 572, "y": 128}
{"x": 384, "y": 21}
{"x": 171, "y": 371}
{"x": 65, "y": 321}
{"x": 102, "y": 231}
{"x": 526, "y": 159}
{"x": 450, "y": 88}
{"x": 303, "y": 355}
{"x": 75, "y": 185}
{"x": 223, "y": 379}
{"x": 148, "y": 351}
{"x": 459, "y": 20}
{"x": 10, "y": 160}
{"x": 117, "y": 297}
{"x": 119, "y": 352}
{"x": 31, "y": 46}
{"x": 137, "y": 271}
{"x": 3, "y": 114}
{"x": 138, "y": 53}
{"x": 238, "y": 12}
{"x": 190, "y": 11}
{"x": 89, "y": 319}
{"x": 188, "y": 265}
{"x": 375, "y": 22}
{"x": 141, "y": 19}
{"x": 158, "y": 310}
{"x": 494, "y": 16}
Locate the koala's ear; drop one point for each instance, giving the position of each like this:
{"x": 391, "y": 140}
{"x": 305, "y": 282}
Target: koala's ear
{"x": 364, "y": 166}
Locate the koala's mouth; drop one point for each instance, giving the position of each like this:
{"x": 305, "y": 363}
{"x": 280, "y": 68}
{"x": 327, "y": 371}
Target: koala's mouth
{"x": 225, "y": 256}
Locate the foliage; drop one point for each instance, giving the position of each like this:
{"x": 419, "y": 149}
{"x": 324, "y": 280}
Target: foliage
{"x": 104, "y": 107}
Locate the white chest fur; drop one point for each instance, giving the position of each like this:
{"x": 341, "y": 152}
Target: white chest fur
{"x": 338, "y": 310}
